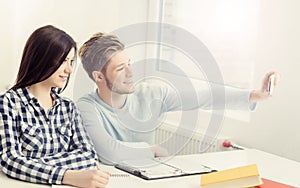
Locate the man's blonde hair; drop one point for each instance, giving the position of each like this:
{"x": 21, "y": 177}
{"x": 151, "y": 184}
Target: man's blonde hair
{"x": 97, "y": 52}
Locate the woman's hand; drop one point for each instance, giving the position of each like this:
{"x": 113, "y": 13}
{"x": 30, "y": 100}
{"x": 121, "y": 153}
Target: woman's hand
{"x": 86, "y": 178}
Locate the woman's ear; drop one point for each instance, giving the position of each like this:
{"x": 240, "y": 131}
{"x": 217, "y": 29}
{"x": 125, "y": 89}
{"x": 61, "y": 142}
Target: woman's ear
{"x": 98, "y": 76}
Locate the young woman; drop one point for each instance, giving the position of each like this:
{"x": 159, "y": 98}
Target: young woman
{"x": 42, "y": 138}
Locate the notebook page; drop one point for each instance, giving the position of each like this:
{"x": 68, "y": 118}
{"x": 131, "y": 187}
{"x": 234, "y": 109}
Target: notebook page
{"x": 151, "y": 168}
{"x": 186, "y": 166}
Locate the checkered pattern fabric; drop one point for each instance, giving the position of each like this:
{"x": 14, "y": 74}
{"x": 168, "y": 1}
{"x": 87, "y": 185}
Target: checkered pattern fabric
{"x": 39, "y": 146}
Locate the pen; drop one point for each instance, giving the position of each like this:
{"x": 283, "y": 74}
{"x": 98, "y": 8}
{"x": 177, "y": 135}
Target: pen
{"x": 97, "y": 164}
{"x": 137, "y": 172}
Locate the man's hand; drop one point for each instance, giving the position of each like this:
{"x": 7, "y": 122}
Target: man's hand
{"x": 160, "y": 151}
{"x": 263, "y": 94}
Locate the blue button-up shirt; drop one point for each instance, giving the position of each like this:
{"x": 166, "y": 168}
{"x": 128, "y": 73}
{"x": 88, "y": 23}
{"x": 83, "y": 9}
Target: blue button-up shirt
{"x": 39, "y": 146}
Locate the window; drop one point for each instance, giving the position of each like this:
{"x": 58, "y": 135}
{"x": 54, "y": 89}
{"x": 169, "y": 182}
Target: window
{"x": 228, "y": 32}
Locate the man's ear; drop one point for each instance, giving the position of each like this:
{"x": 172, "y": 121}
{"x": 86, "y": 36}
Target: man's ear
{"x": 98, "y": 76}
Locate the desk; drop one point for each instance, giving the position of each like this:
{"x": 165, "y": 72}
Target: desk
{"x": 270, "y": 166}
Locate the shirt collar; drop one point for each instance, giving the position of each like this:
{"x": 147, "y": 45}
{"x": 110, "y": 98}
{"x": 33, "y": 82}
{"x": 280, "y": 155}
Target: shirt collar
{"x": 57, "y": 99}
{"x": 28, "y": 98}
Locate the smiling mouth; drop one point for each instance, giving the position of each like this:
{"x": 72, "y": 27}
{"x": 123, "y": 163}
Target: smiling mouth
{"x": 64, "y": 77}
{"x": 128, "y": 83}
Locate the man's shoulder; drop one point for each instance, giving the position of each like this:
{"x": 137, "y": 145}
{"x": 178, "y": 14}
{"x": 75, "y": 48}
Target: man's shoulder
{"x": 86, "y": 101}
{"x": 87, "y": 98}
{"x": 150, "y": 87}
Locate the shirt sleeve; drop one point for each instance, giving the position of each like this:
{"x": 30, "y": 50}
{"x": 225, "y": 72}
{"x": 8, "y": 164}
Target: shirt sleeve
{"x": 46, "y": 170}
{"x": 215, "y": 97}
{"x": 110, "y": 150}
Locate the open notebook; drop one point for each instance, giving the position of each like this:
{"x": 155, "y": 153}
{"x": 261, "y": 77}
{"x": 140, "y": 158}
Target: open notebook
{"x": 157, "y": 168}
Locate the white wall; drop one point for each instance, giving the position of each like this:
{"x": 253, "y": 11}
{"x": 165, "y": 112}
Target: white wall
{"x": 275, "y": 124}
{"x": 80, "y": 19}
{"x": 6, "y": 63}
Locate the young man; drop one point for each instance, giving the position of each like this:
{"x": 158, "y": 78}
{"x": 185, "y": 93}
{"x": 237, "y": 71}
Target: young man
{"x": 121, "y": 117}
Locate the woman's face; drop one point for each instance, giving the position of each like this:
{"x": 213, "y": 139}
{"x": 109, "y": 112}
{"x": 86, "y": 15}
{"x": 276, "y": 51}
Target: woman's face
{"x": 59, "y": 78}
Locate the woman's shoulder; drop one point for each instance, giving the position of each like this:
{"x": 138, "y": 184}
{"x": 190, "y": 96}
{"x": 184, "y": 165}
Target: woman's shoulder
{"x": 10, "y": 99}
{"x": 10, "y": 95}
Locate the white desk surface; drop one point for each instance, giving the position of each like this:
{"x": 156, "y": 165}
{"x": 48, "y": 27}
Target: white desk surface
{"x": 270, "y": 166}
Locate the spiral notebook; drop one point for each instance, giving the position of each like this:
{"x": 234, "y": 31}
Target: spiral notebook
{"x": 158, "y": 168}
{"x": 115, "y": 180}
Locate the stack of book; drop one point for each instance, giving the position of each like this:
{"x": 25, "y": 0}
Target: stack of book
{"x": 245, "y": 176}
{"x": 240, "y": 177}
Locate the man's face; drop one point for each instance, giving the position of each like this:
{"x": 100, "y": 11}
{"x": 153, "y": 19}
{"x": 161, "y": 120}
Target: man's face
{"x": 119, "y": 74}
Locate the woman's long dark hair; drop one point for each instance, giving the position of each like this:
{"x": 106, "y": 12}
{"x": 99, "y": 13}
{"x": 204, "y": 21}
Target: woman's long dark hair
{"x": 44, "y": 52}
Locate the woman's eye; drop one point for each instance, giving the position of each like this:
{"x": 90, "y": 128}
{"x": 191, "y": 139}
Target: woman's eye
{"x": 72, "y": 62}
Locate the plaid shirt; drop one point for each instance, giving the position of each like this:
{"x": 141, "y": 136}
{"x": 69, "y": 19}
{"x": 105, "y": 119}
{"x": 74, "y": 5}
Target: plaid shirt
{"x": 37, "y": 146}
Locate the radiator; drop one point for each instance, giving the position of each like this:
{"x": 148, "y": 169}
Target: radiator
{"x": 184, "y": 142}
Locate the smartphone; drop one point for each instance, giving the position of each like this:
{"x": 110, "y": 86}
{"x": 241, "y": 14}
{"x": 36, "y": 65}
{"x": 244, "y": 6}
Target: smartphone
{"x": 271, "y": 84}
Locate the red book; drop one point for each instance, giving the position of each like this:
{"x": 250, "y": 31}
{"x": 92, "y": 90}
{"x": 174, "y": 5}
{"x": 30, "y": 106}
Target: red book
{"x": 273, "y": 184}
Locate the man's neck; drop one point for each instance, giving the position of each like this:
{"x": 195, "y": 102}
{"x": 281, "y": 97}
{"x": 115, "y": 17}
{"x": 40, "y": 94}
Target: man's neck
{"x": 114, "y": 100}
